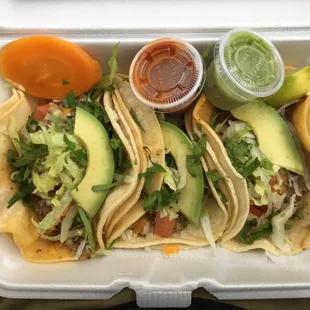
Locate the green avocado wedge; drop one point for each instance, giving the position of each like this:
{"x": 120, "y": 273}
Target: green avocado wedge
{"x": 294, "y": 87}
{"x": 274, "y": 137}
{"x": 180, "y": 146}
{"x": 100, "y": 162}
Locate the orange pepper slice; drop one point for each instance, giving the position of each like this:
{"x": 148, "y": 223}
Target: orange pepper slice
{"x": 49, "y": 67}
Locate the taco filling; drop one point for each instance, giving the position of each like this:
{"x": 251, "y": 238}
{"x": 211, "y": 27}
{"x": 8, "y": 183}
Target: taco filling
{"x": 275, "y": 192}
{"x": 50, "y": 162}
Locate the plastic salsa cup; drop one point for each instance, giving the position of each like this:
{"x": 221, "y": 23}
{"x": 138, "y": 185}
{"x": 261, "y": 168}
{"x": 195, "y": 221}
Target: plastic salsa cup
{"x": 246, "y": 67}
{"x": 167, "y": 75}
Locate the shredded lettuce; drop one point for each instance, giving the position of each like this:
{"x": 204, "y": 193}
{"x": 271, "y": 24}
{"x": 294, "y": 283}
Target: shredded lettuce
{"x": 61, "y": 202}
{"x": 80, "y": 250}
{"x": 171, "y": 177}
{"x": 207, "y": 229}
{"x": 67, "y": 223}
{"x": 108, "y": 80}
{"x": 171, "y": 212}
{"x": 249, "y": 161}
{"x": 278, "y": 226}
{"x": 88, "y": 229}
{"x": 43, "y": 182}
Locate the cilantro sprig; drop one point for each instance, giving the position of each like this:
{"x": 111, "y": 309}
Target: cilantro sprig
{"x": 250, "y": 232}
{"x": 240, "y": 155}
{"x": 79, "y": 154}
{"x": 193, "y": 160}
{"x": 149, "y": 173}
{"x": 160, "y": 199}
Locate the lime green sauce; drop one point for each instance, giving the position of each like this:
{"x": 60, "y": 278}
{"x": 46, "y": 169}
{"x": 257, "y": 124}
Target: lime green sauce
{"x": 245, "y": 65}
{"x": 250, "y": 60}
{"x": 219, "y": 94}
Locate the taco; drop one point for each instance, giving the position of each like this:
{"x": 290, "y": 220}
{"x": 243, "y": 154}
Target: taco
{"x": 258, "y": 148}
{"x": 67, "y": 164}
{"x": 60, "y": 162}
{"x": 170, "y": 208}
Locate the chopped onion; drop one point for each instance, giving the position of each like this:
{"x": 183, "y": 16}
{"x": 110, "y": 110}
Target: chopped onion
{"x": 127, "y": 234}
{"x": 278, "y": 226}
{"x": 146, "y": 229}
{"x": 207, "y": 229}
{"x": 80, "y": 249}
{"x": 296, "y": 186}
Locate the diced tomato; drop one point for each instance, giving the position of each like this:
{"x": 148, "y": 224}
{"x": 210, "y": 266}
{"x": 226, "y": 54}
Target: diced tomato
{"x": 258, "y": 210}
{"x": 41, "y": 112}
{"x": 274, "y": 181}
{"x": 163, "y": 226}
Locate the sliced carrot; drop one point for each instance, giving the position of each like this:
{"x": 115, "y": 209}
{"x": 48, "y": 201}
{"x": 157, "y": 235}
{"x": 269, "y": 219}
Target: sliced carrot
{"x": 49, "y": 67}
{"x": 41, "y": 112}
{"x": 171, "y": 248}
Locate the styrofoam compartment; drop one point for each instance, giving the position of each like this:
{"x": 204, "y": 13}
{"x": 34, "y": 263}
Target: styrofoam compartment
{"x": 158, "y": 281}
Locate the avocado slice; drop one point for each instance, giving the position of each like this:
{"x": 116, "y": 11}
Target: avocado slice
{"x": 191, "y": 194}
{"x": 100, "y": 161}
{"x": 274, "y": 137}
{"x": 294, "y": 87}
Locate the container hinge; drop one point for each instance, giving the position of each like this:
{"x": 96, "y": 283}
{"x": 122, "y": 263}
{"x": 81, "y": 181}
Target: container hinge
{"x": 157, "y": 299}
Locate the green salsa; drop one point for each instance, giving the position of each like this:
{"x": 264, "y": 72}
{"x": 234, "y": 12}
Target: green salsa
{"x": 246, "y": 67}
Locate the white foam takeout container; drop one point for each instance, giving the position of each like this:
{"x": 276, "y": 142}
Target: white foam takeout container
{"x": 158, "y": 281}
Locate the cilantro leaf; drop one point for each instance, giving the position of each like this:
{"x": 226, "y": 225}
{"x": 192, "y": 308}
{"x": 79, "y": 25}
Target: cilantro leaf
{"x": 31, "y": 125}
{"x": 88, "y": 229}
{"x": 69, "y": 125}
{"x": 108, "y": 80}
{"x": 267, "y": 164}
{"x": 25, "y": 190}
{"x": 250, "y": 168}
{"x": 70, "y": 101}
{"x": 238, "y": 151}
{"x": 160, "y": 199}
{"x": 193, "y": 160}
{"x": 30, "y": 152}
{"x": 59, "y": 124}
{"x": 97, "y": 110}
{"x": 135, "y": 118}
{"x": 79, "y": 154}
{"x": 213, "y": 177}
{"x": 102, "y": 187}
{"x": 115, "y": 143}
{"x": 21, "y": 175}
{"x": 251, "y": 233}
{"x": 148, "y": 174}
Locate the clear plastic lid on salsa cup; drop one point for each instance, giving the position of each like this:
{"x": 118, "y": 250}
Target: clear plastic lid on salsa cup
{"x": 167, "y": 75}
{"x": 246, "y": 67}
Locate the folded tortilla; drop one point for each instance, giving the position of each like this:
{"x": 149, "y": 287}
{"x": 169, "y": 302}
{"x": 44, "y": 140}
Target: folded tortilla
{"x": 298, "y": 236}
{"x": 191, "y": 235}
{"x": 16, "y": 220}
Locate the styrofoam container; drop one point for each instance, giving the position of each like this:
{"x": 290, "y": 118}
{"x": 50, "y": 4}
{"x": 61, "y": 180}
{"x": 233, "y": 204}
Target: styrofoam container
{"x": 158, "y": 281}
